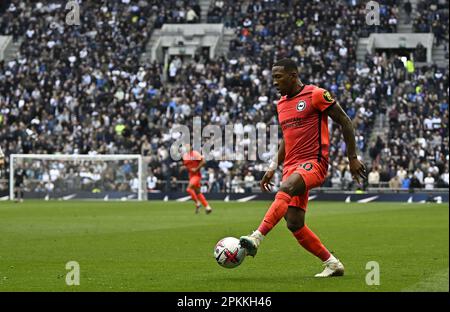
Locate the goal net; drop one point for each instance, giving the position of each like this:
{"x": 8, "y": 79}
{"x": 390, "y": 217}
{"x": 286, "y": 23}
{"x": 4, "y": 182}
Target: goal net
{"x": 108, "y": 177}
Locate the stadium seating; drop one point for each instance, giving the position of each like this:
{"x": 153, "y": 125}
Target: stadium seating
{"x": 83, "y": 89}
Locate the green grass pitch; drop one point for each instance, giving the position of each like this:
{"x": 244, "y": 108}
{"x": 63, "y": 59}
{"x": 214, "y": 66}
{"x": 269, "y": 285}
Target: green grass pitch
{"x": 164, "y": 246}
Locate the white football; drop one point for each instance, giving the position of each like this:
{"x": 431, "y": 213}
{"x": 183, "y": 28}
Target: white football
{"x": 229, "y": 253}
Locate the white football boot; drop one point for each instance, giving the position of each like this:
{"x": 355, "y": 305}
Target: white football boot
{"x": 333, "y": 267}
{"x": 251, "y": 242}
{"x": 208, "y": 209}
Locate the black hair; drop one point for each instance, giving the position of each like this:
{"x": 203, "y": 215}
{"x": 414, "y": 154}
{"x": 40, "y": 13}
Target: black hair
{"x": 288, "y": 64}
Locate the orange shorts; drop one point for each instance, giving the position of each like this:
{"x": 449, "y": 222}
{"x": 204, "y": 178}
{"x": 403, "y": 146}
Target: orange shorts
{"x": 313, "y": 173}
{"x": 195, "y": 181}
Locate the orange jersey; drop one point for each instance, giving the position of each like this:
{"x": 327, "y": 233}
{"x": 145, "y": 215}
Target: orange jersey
{"x": 191, "y": 160}
{"x": 305, "y": 125}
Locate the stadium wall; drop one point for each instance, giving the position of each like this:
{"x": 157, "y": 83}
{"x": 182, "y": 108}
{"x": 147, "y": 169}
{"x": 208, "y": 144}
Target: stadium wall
{"x": 419, "y": 197}
{"x": 361, "y": 198}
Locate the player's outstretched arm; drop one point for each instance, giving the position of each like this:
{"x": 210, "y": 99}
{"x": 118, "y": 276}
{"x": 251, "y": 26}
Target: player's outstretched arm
{"x": 357, "y": 168}
{"x": 265, "y": 183}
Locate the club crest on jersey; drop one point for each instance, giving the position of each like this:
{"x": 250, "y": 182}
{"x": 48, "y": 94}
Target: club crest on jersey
{"x": 327, "y": 96}
{"x": 301, "y": 105}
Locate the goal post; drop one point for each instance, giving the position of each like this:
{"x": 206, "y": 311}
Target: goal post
{"x": 119, "y": 176}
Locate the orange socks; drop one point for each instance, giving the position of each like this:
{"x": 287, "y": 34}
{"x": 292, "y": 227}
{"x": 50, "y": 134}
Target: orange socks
{"x": 193, "y": 195}
{"x": 202, "y": 199}
{"x": 306, "y": 238}
{"x": 197, "y": 197}
{"x": 276, "y": 211}
{"x": 311, "y": 242}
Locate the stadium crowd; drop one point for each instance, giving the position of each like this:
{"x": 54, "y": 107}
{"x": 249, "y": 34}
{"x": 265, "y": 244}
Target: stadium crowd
{"x": 271, "y": 13}
{"x": 178, "y": 11}
{"x": 82, "y": 89}
{"x": 48, "y": 176}
{"x": 432, "y": 16}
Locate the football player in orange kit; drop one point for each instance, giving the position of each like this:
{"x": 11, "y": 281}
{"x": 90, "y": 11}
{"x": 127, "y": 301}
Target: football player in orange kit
{"x": 193, "y": 161}
{"x": 303, "y": 112}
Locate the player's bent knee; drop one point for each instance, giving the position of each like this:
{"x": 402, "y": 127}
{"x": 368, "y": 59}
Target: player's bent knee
{"x": 294, "y": 226}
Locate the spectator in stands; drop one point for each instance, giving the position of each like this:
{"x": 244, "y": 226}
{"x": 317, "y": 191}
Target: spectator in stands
{"x": 414, "y": 183}
{"x": 429, "y": 182}
{"x": 407, "y": 181}
{"x": 347, "y": 179}
{"x": 249, "y": 182}
{"x": 212, "y": 181}
{"x": 174, "y": 67}
{"x": 374, "y": 177}
{"x": 191, "y": 16}
{"x": 395, "y": 183}
{"x": 236, "y": 184}
{"x": 418, "y": 174}
{"x": 134, "y": 184}
{"x": 336, "y": 179}
{"x": 420, "y": 53}
{"x": 393, "y": 23}
{"x": 407, "y": 7}
{"x": 151, "y": 182}
{"x": 173, "y": 187}
{"x": 444, "y": 178}
{"x": 402, "y": 174}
